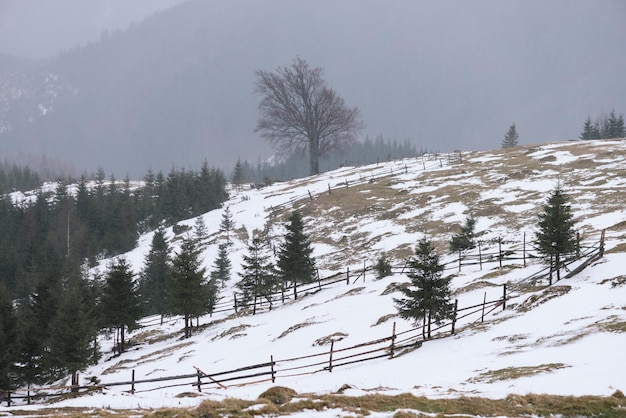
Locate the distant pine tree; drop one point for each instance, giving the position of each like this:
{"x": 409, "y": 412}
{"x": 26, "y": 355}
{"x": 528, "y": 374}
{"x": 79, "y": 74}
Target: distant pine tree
{"x": 427, "y": 299}
{"x": 296, "y": 264}
{"x": 7, "y": 336}
{"x": 556, "y": 236}
{"x": 258, "y": 278}
{"x": 465, "y": 239}
{"x": 382, "y": 267}
{"x": 187, "y": 291}
{"x": 222, "y": 266}
{"x": 70, "y": 345}
{"x": 120, "y": 299}
{"x": 510, "y": 138}
{"x": 590, "y": 131}
{"x": 238, "y": 177}
{"x": 227, "y": 224}
{"x": 155, "y": 274}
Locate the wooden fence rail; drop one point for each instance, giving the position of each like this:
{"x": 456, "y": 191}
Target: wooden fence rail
{"x": 388, "y": 346}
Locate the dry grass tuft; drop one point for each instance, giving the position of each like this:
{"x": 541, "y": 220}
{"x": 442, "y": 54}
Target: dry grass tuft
{"x": 278, "y": 395}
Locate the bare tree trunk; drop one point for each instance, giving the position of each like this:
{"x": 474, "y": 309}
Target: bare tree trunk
{"x": 314, "y": 163}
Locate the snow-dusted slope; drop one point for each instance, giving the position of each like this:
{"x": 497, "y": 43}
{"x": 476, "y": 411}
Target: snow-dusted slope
{"x": 566, "y": 339}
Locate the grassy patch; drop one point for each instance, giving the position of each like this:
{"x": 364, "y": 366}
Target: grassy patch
{"x": 295, "y": 328}
{"x": 232, "y": 332}
{"x": 615, "y": 281}
{"x": 280, "y": 401}
{"x": 337, "y": 336}
{"x": 511, "y": 373}
{"x": 384, "y": 319}
{"x": 535, "y": 300}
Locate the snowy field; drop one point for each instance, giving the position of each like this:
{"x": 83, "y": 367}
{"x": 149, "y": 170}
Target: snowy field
{"x": 565, "y": 340}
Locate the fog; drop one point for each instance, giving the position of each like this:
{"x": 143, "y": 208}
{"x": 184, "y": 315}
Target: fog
{"x": 445, "y": 74}
{"x": 42, "y": 28}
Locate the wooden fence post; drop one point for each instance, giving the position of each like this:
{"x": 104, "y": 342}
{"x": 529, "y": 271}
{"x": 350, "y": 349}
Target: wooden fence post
{"x": 364, "y": 268}
{"x": 456, "y": 307}
{"x": 235, "y": 296}
{"x": 330, "y": 359}
{"x": 328, "y": 188}
{"x": 500, "y": 250}
{"x": 480, "y": 256}
{"x": 504, "y": 297}
{"x": 319, "y": 281}
{"x": 199, "y": 380}
{"x": 272, "y": 368}
{"x": 310, "y": 195}
{"x": 524, "y": 250}
{"x": 601, "y": 253}
{"x": 348, "y": 275}
{"x": 482, "y": 317}
{"x": 459, "y": 261}
{"x": 132, "y": 384}
{"x": 393, "y": 340}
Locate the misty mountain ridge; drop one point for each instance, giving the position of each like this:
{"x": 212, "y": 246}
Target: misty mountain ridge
{"x": 177, "y": 88}
{"x": 561, "y": 339}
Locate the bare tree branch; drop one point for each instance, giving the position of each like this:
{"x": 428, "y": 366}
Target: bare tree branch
{"x": 298, "y": 111}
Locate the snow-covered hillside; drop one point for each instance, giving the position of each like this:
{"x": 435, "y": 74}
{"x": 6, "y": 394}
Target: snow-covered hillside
{"x": 564, "y": 339}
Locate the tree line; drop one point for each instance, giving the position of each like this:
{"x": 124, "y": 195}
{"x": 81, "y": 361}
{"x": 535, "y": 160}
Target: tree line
{"x": 95, "y": 219}
{"x": 53, "y": 332}
{"x": 604, "y": 127}
{"x": 368, "y": 151}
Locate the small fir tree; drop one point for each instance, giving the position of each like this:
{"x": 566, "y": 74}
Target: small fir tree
{"x": 227, "y": 224}
{"x": 7, "y": 336}
{"x": 238, "y": 174}
{"x": 120, "y": 299}
{"x": 258, "y": 278}
{"x": 200, "y": 231}
{"x": 464, "y": 240}
{"x": 590, "y": 130}
{"x": 222, "y": 266}
{"x": 154, "y": 276}
{"x": 427, "y": 299}
{"x": 510, "y": 138}
{"x": 382, "y": 267}
{"x": 556, "y": 236}
{"x": 70, "y": 345}
{"x": 295, "y": 261}
{"x": 187, "y": 286}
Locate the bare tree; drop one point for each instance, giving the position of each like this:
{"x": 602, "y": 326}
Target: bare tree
{"x": 298, "y": 110}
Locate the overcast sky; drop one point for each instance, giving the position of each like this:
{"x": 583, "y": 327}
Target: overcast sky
{"x": 41, "y": 28}
{"x": 447, "y": 74}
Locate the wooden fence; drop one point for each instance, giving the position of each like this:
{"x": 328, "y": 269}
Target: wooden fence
{"x": 391, "y": 346}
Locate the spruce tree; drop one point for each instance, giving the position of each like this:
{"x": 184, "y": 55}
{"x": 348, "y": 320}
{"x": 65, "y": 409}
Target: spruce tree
{"x": 258, "y": 278}
{"x": 464, "y": 240}
{"x": 222, "y": 266}
{"x": 590, "y": 131}
{"x": 227, "y": 224}
{"x": 120, "y": 299}
{"x": 187, "y": 291}
{"x": 427, "y": 299}
{"x": 154, "y": 275}
{"x": 238, "y": 174}
{"x": 510, "y": 138}
{"x": 70, "y": 345}
{"x": 200, "y": 231}
{"x": 7, "y": 336}
{"x": 556, "y": 236}
{"x": 34, "y": 329}
{"x": 295, "y": 261}
{"x": 382, "y": 267}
